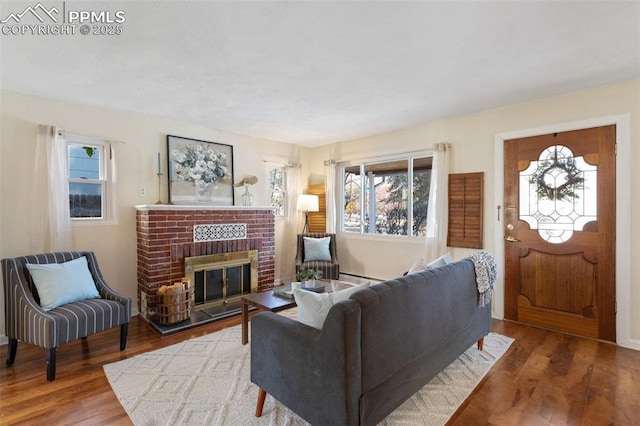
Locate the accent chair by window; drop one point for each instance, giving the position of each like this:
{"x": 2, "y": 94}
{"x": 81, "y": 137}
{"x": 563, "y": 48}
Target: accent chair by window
{"x": 318, "y": 251}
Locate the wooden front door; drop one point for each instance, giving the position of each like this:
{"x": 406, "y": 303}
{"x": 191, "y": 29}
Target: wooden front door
{"x": 559, "y": 229}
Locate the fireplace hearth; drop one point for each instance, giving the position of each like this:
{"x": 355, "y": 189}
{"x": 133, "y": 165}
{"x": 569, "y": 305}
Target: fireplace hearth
{"x": 198, "y": 317}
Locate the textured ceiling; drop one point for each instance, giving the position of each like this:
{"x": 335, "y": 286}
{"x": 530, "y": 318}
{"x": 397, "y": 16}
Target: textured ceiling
{"x": 318, "y": 72}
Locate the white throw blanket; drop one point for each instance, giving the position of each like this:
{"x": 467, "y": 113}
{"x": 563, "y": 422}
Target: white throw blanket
{"x": 486, "y": 273}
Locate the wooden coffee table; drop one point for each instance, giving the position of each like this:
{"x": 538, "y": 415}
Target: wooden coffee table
{"x": 266, "y": 301}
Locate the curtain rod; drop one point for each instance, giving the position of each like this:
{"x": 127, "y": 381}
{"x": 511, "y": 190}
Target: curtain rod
{"x": 93, "y": 138}
{"x": 386, "y": 156}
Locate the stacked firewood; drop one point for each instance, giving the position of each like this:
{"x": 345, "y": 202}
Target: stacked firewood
{"x": 174, "y": 302}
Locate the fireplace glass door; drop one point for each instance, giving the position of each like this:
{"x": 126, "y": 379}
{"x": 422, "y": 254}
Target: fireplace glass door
{"x": 218, "y": 284}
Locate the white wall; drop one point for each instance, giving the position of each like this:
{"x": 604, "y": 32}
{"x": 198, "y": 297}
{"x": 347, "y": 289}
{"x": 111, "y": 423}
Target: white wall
{"x": 143, "y": 137}
{"x": 473, "y": 150}
{"x": 473, "y": 140}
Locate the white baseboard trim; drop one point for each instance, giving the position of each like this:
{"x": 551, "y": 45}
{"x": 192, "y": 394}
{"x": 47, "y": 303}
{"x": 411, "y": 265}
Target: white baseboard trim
{"x": 630, "y": 344}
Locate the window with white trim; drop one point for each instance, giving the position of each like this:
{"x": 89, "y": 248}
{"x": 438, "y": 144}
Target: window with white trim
{"x": 88, "y": 177}
{"x": 278, "y": 189}
{"x": 377, "y": 197}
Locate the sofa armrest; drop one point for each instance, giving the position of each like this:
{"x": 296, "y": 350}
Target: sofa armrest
{"x": 314, "y": 373}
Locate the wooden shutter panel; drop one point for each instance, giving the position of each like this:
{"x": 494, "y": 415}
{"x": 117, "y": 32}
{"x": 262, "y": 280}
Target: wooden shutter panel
{"x": 318, "y": 220}
{"x": 465, "y": 210}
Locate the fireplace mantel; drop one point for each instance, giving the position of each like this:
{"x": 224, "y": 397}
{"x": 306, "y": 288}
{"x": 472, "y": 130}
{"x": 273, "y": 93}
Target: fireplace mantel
{"x": 165, "y": 236}
{"x": 182, "y": 207}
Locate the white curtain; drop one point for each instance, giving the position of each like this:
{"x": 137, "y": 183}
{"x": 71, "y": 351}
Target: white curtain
{"x": 330, "y": 194}
{"x": 51, "y": 223}
{"x": 112, "y": 214}
{"x": 437, "y": 212}
{"x": 288, "y": 262}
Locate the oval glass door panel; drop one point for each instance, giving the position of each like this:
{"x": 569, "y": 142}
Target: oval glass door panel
{"x": 558, "y": 194}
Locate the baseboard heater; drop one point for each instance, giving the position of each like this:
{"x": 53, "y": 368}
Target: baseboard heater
{"x": 361, "y": 277}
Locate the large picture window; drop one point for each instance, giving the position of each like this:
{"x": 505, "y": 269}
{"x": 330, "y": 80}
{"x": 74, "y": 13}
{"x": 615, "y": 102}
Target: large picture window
{"x": 387, "y": 196}
{"x": 87, "y": 174}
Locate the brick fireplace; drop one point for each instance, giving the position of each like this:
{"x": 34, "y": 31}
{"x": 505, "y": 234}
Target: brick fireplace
{"x": 167, "y": 234}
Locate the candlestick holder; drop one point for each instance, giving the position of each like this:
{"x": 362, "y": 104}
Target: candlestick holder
{"x": 159, "y": 188}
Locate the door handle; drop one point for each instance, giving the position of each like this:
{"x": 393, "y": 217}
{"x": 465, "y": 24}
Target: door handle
{"x": 512, "y": 239}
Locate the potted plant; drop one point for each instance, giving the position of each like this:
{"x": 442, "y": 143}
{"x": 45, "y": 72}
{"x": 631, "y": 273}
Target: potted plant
{"x": 308, "y": 276}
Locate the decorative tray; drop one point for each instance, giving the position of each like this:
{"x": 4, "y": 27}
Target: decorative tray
{"x": 285, "y": 290}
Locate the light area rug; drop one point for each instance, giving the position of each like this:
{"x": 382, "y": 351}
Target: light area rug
{"x": 205, "y": 381}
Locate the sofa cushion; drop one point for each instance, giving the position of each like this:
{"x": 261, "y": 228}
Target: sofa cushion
{"x": 86, "y": 317}
{"x": 422, "y": 265}
{"x": 441, "y": 261}
{"x": 418, "y": 266}
{"x": 317, "y": 249}
{"x": 314, "y": 307}
{"x": 61, "y": 283}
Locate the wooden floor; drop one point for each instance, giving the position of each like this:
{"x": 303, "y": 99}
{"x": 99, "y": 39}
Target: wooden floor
{"x": 545, "y": 378}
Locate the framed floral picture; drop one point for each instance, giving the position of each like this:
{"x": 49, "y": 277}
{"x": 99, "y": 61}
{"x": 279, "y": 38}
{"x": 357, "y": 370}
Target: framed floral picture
{"x": 200, "y": 172}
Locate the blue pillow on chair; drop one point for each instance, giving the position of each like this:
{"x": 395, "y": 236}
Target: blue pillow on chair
{"x": 317, "y": 249}
{"x": 62, "y": 283}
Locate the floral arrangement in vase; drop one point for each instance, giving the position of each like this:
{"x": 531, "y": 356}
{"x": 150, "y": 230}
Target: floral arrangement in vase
{"x": 201, "y": 165}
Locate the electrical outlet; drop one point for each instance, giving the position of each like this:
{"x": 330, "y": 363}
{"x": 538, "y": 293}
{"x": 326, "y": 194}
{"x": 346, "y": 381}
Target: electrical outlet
{"x": 143, "y": 192}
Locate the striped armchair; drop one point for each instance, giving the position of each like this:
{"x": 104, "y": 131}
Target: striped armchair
{"x": 330, "y": 270}
{"x": 26, "y": 321}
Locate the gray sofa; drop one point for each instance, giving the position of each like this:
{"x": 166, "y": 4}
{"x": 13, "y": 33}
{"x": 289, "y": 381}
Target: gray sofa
{"x": 374, "y": 351}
